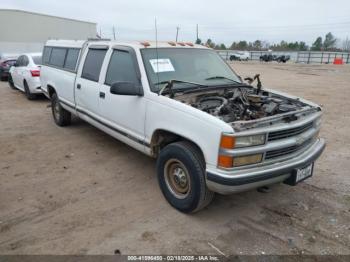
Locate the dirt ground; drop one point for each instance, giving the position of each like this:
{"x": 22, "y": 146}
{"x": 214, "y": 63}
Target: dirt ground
{"x": 76, "y": 190}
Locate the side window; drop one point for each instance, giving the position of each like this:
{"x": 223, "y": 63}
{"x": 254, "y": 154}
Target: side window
{"x": 19, "y": 61}
{"x": 121, "y": 68}
{"x": 58, "y": 56}
{"x": 71, "y": 60}
{"x": 93, "y": 63}
{"x": 46, "y": 54}
{"x": 25, "y": 61}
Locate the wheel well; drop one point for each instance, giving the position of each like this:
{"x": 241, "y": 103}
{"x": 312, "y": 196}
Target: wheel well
{"x": 50, "y": 90}
{"x": 162, "y": 138}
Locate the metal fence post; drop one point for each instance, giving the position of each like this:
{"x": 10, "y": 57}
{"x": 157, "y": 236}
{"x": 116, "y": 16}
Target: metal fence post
{"x": 308, "y": 59}
{"x": 347, "y": 60}
{"x": 321, "y": 57}
{"x": 329, "y": 56}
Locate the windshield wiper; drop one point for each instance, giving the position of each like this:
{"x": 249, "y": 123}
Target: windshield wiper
{"x": 169, "y": 85}
{"x": 223, "y": 77}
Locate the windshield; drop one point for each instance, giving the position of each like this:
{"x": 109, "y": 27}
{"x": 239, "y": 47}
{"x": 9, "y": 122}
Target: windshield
{"x": 37, "y": 60}
{"x": 200, "y": 66}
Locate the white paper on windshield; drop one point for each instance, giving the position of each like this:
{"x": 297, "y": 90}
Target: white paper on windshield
{"x": 162, "y": 65}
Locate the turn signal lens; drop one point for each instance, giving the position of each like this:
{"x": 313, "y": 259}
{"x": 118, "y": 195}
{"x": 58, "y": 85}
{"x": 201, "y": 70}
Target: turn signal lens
{"x": 227, "y": 142}
{"x": 247, "y": 160}
{"x": 225, "y": 161}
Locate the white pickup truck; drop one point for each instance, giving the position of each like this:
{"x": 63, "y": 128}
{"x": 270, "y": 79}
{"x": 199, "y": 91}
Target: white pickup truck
{"x": 182, "y": 104}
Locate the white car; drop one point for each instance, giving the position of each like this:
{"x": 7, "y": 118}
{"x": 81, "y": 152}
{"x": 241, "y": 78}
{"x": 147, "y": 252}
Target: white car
{"x": 240, "y": 56}
{"x": 183, "y": 105}
{"x": 25, "y": 74}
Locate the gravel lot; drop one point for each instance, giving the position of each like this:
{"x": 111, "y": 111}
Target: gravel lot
{"x": 76, "y": 190}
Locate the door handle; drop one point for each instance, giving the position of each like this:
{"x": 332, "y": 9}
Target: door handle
{"x": 102, "y": 95}
{"x": 78, "y": 86}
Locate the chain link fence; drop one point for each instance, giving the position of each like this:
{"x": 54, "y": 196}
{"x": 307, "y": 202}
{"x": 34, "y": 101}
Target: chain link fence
{"x": 307, "y": 57}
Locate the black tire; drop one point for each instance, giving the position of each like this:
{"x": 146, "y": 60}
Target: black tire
{"x": 186, "y": 157}
{"x": 61, "y": 116}
{"x": 10, "y": 80}
{"x": 29, "y": 95}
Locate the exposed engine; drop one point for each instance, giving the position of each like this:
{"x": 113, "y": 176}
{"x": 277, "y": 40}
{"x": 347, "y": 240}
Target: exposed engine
{"x": 241, "y": 104}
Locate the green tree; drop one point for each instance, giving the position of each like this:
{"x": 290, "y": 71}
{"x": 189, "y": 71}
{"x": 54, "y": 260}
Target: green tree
{"x": 303, "y": 46}
{"x": 257, "y": 45}
{"x": 198, "y": 41}
{"x": 242, "y": 45}
{"x": 317, "y": 45}
{"x": 210, "y": 43}
{"x": 329, "y": 41}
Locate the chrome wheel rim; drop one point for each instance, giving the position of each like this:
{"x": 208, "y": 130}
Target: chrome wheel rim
{"x": 177, "y": 178}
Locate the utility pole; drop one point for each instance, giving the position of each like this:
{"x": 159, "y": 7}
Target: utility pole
{"x": 197, "y": 33}
{"x": 100, "y": 33}
{"x": 177, "y": 33}
{"x": 114, "y": 32}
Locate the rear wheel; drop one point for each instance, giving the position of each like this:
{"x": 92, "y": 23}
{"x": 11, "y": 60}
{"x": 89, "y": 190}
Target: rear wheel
{"x": 61, "y": 116}
{"x": 29, "y": 95}
{"x": 10, "y": 80}
{"x": 181, "y": 177}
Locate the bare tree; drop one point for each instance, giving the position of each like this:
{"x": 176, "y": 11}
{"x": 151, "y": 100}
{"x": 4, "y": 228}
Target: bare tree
{"x": 346, "y": 44}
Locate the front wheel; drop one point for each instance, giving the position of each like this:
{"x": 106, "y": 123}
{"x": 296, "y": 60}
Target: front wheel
{"x": 61, "y": 116}
{"x": 181, "y": 177}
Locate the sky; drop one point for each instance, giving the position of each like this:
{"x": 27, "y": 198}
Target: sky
{"x": 223, "y": 21}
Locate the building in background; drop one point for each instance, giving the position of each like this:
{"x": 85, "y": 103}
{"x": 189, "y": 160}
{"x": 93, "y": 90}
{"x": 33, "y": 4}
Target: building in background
{"x": 22, "y": 31}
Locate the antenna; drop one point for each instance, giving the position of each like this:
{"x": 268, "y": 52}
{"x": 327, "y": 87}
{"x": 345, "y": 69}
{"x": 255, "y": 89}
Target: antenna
{"x": 177, "y": 32}
{"x": 156, "y": 31}
{"x": 114, "y": 32}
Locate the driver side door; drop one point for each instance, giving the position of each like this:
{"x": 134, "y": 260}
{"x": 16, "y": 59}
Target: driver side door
{"x": 125, "y": 113}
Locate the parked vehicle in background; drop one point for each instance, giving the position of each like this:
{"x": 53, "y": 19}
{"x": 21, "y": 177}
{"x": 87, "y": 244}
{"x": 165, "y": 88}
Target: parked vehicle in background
{"x": 283, "y": 58}
{"x": 183, "y": 105}
{"x": 25, "y": 74}
{"x": 5, "y": 64}
{"x": 240, "y": 56}
{"x": 270, "y": 57}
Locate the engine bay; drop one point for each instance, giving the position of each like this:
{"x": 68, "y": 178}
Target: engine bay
{"x": 241, "y": 103}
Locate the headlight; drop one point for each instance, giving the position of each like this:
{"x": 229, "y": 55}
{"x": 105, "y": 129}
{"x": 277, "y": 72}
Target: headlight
{"x": 244, "y": 141}
{"x": 231, "y": 142}
{"x": 247, "y": 160}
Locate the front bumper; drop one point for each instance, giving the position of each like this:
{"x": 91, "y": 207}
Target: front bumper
{"x": 232, "y": 181}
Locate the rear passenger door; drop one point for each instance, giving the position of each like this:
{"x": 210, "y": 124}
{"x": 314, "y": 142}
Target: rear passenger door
{"x": 20, "y": 71}
{"x": 16, "y": 70}
{"x": 87, "y": 87}
{"x": 125, "y": 113}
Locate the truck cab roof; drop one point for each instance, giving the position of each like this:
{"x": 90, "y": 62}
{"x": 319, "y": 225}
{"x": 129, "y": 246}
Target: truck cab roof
{"x": 134, "y": 44}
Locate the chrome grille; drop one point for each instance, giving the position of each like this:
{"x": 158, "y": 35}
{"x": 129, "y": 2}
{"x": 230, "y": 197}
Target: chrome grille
{"x": 289, "y": 132}
{"x": 285, "y": 151}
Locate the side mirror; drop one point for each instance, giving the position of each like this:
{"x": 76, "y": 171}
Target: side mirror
{"x": 126, "y": 89}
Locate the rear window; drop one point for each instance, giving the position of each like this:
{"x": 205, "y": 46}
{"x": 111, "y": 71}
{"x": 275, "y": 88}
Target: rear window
{"x": 58, "y": 56}
{"x": 93, "y": 63}
{"x": 71, "y": 59}
{"x": 37, "y": 60}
